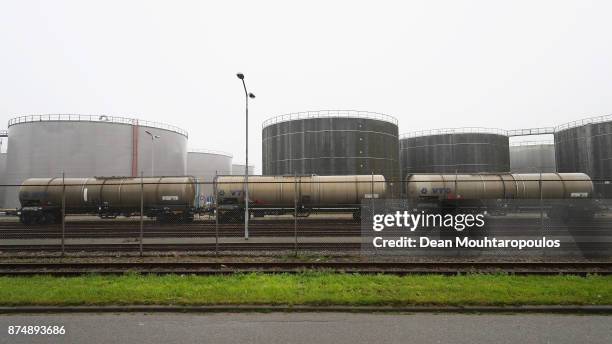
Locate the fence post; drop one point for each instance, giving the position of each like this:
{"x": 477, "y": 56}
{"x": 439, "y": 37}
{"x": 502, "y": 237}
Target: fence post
{"x": 216, "y": 210}
{"x": 456, "y": 185}
{"x": 295, "y": 214}
{"x": 371, "y": 206}
{"x": 141, "y": 235}
{"x": 371, "y": 190}
{"x": 541, "y": 213}
{"x": 63, "y": 213}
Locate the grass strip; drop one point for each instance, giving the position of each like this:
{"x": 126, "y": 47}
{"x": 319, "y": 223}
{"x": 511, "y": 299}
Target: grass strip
{"x": 309, "y": 288}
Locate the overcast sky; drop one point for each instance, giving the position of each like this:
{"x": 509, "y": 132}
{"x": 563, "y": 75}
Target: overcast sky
{"x": 431, "y": 64}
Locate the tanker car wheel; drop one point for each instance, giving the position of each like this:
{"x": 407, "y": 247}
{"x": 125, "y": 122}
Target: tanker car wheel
{"x": 558, "y": 213}
{"x": 26, "y": 219}
{"x": 40, "y": 219}
{"x": 162, "y": 218}
{"x": 231, "y": 217}
{"x": 49, "y": 218}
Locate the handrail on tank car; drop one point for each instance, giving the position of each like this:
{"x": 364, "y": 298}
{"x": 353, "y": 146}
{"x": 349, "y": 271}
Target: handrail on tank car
{"x": 95, "y": 118}
{"x": 329, "y": 114}
{"x": 581, "y": 122}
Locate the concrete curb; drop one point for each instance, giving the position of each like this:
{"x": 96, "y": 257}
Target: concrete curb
{"x": 285, "y": 308}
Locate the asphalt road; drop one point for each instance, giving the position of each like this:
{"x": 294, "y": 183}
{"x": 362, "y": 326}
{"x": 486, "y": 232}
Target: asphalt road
{"x": 313, "y": 328}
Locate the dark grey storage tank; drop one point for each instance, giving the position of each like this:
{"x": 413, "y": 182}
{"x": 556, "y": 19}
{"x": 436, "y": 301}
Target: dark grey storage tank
{"x": 331, "y": 143}
{"x": 461, "y": 150}
{"x": 532, "y": 157}
{"x": 586, "y": 146}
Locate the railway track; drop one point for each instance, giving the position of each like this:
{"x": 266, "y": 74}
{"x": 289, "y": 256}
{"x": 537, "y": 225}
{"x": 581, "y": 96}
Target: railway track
{"x": 262, "y": 228}
{"x": 398, "y": 268}
{"x": 311, "y": 232}
{"x": 222, "y": 246}
{"x": 591, "y": 247}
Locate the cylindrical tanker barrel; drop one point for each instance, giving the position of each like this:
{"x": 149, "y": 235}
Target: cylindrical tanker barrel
{"x": 499, "y": 186}
{"x": 315, "y": 191}
{"x": 48, "y": 192}
{"x": 124, "y": 193}
{"x": 348, "y": 189}
{"x": 85, "y": 194}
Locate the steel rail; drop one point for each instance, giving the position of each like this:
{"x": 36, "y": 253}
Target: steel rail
{"x": 402, "y": 268}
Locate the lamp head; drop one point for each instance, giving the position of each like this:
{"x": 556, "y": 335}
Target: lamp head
{"x": 240, "y": 76}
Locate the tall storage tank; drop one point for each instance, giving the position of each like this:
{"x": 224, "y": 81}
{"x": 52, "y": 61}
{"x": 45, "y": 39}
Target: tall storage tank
{"x": 455, "y": 150}
{"x": 238, "y": 169}
{"x": 86, "y": 145}
{"x": 331, "y": 143}
{"x": 3, "y": 188}
{"x": 205, "y": 165}
{"x": 586, "y": 146}
{"x": 532, "y": 157}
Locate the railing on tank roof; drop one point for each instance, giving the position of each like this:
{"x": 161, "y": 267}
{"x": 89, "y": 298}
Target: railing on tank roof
{"x": 462, "y": 130}
{"x": 210, "y": 151}
{"x": 329, "y": 114}
{"x": 95, "y": 118}
{"x": 581, "y": 122}
{"x": 531, "y": 131}
{"x": 3, "y": 133}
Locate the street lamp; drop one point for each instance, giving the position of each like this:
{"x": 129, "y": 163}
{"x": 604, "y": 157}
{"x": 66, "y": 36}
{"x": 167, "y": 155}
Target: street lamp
{"x": 246, "y": 165}
{"x": 153, "y": 137}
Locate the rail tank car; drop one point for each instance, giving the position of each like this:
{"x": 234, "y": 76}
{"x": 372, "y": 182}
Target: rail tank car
{"x": 162, "y": 197}
{"x": 275, "y": 195}
{"x": 564, "y": 193}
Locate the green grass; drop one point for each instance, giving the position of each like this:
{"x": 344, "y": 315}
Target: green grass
{"x": 306, "y": 289}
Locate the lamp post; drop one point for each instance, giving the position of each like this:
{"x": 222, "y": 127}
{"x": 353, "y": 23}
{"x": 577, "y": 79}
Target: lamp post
{"x": 246, "y": 166}
{"x": 153, "y": 137}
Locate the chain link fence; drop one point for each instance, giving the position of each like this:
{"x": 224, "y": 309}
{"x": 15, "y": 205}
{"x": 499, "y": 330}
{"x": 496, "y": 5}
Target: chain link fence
{"x": 323, "y": 215}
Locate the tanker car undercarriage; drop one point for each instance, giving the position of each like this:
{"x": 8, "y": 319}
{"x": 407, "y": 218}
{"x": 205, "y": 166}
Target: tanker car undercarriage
{"x": 234, "y": 213}
{"x": 558, "y": 210}
{"x": 34, "y": 214}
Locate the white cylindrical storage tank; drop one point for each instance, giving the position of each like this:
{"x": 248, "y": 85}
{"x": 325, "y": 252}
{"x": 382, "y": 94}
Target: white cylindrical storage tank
{"x": 90, "y": 145}
{"x": 205, "y": 165}
{"x": 2, "y": 178}
{"x": 532, "y": 156}
{"x": 238, "y": 169}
